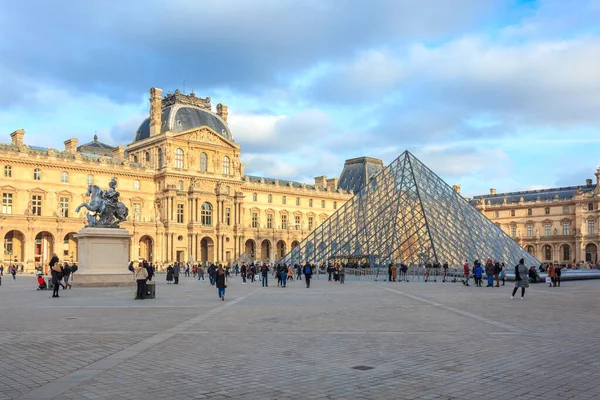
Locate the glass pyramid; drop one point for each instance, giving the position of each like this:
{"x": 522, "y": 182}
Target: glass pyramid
{"x": 407, "y": 214}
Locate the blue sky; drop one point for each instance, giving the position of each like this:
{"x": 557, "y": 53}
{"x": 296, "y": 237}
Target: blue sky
{"x": 502, "y": 94}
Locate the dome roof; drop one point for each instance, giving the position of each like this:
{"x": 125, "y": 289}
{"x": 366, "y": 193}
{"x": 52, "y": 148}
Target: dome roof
{"x": 181, "y": 117}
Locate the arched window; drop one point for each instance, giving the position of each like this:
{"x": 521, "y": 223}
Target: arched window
{"x": 160, "y": 158}
{"x": 227, "y": 189}
{"x": 566, "y": 252}
{"x": 147, "y": 156}
{"x": 270, "y": 199}
{"x": 179, "y": 185}
{"x": 254, "y": 197}
{"x": 548, "y": 252}
{"x": 226, "y": 166}
{"x": 178, "y": 158}
{"x": 590, "y": 206}
{"x": 7, "y": 171}
{"x": 37, "y": 174}
{"x": 135, "y": 159}
{"x": 203, "y": 162}
{"x": 206, "y": 214}
{"x": 283, "y": 200}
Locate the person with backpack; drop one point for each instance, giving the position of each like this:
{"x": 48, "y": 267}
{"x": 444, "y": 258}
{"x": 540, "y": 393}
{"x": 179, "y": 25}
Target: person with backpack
{"x": 307, "y": 274}
{"x": 220, "y": 282}
{"x": 243, "y": 270}
{"x": 283, "y": 274}
{"x": 478, "y": 273}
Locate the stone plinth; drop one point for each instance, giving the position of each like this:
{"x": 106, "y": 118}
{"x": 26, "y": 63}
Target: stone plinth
{"x": 103, "y": 257}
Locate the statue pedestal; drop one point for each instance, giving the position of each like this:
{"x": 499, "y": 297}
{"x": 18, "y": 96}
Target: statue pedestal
{"x": 103, "y": 257}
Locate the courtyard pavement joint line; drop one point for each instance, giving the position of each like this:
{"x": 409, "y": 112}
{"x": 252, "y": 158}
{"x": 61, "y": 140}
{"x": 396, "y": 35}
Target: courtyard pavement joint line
{"x": 68, "y": 382}
{"x": 501, "y": 325}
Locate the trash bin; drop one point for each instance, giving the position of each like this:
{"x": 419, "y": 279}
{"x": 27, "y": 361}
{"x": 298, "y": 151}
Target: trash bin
{"x": 150, "y": 290}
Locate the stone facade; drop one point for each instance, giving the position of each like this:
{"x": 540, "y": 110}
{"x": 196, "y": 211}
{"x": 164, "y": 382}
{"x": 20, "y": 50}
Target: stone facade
{"x": 554, "y": 225}
{"x": 187, "y": 194}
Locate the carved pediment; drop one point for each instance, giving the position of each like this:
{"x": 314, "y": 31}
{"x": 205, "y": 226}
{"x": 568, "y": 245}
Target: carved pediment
{"x": 9, "y": 188}
{"x": 205, "y": 135}
{"x": 64, "y": 193}
{"x": 38, "y": 191}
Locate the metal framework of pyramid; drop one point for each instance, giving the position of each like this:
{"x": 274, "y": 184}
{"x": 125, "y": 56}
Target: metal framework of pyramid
{"x": 407, "y": 214}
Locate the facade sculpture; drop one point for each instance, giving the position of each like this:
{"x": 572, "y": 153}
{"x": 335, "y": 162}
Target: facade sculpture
{"x": 105, "y": 209}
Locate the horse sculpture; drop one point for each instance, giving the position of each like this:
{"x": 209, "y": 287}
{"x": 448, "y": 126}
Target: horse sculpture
{"x": 104, "y": 212}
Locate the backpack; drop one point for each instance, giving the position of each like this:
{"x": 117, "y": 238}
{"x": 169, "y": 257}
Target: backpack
{"x": 307, "y": 270}
{"x": 73, "y": 268}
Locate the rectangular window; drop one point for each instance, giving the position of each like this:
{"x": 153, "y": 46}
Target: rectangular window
{"x": 310, "y": 202}
{"x": 297, "y": 222}
{"x": 496, "y": 214}
{"x": 254, "y": 197}
{"x": 284, "y": 200}
{"x": 269, "y": 221}
{"x": 547, "y": 228}
{"x": 7, "y": 203}
{"x": 529, "y": 211}
{"x": 298, "y": 201}
{"x": 284, "y": 222}
{"x": 529, "y": 230}
{"x": 310, "y": 223}
{"x": 136, "y": 185}
{"x": 64, "y": 177}
{"x": 7, "y": 171}
{"x": 565, "y": 228}
{"x": 64, "y": 206}
{"x": 180, "y": 213}
{"x": 565, "y": 209}
{"x": 591, "y": 228}
{"x": 513, "y": 231}
{"x": 547, "y": 210}
{"x": 36, "y": 205}
{"x": 512, "y": 213}
{"x": 137, "y": 211}
{"x": 228, "y": 216}
{"x": 37, "y": 174}
{"x": 254, "y": 220}
{"x": 90, "y": 180}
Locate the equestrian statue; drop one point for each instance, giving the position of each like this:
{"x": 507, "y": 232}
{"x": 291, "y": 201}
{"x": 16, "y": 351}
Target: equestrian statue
{"x": 105, "y": 209}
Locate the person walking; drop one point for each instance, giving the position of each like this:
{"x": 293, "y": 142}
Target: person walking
{"x": 394, "y": 272}
{"x": 558, "y": 272}
{"x": 308, "y": 271}
{"x": 342, "y": 273}
{"x": 176, "y": 271}
{"x": 290, "y": 273}
{"x": 298, "y": 272}
{"x": 265, "y": 275}
{"x": 283, "y": 273}
{"x": 467, "y": 273}
{"x": 445, "y": 268}
{"x": 169, "y": 274}
{"x": 187, "y": 271}
{"x": 503, "y": 273}
{"x": 552, "y": 275}
{"x": 57, "y": 275}
{"x": 243, "y": 272}
{"x": 13, "y": 272}
{"x": 200, "y": 272}
{"x": 140, "y": 275}
{"x": 220, "y": 282}
{"x": 67, "y": 275}
{"x": 521, "y": 279}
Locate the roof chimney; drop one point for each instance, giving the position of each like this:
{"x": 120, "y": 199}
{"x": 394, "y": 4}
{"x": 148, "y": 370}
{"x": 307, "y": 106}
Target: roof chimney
{"x": 155, "y": 111}
{"x": 492, "y": 192}
{"x": 118, "y": 153}
{"x": 332, "y": 183}
{"x": 71, "y": 145}
{"x": 456, "y": 188}
{"x": 17, "y": 137}
{"x": 222, "y": 111}
{"x": 321, "y": 182}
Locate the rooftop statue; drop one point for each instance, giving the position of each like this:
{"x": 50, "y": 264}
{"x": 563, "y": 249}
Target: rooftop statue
{"x": 106, "y": 211}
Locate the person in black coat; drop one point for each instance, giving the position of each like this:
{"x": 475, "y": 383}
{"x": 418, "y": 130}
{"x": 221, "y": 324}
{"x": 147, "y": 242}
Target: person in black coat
{"x": 169, "y": 274}
{"x": 220, "y": 282}
{"x": 307, "y": 274}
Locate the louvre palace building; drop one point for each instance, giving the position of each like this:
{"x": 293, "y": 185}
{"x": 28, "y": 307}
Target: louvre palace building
{"x": 182, "y": 180}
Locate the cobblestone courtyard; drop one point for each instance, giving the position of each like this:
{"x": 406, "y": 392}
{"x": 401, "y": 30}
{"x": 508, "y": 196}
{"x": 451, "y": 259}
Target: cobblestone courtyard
{"x": 425, "y": 341}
